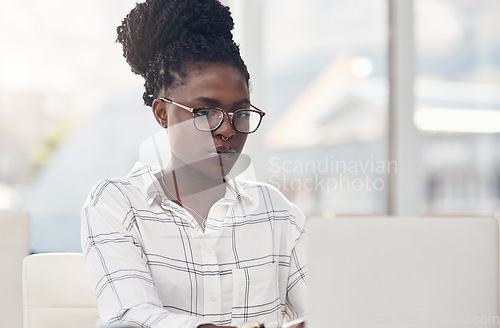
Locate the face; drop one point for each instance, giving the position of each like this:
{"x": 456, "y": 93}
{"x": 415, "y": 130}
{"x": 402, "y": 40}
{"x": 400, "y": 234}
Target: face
{"x": 209, "y": 154}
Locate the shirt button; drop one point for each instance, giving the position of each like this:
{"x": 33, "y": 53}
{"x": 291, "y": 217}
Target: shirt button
{"x": 213, "y": 297}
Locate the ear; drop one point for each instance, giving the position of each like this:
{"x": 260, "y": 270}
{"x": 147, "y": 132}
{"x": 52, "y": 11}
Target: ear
{"x": 160, "y": 112}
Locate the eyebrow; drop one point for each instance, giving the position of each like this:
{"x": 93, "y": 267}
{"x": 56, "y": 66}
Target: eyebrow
{"x": 216, "y": 103}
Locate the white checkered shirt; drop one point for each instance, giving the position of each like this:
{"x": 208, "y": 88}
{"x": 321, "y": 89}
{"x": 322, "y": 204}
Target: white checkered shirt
{"x": 152, "y": 265}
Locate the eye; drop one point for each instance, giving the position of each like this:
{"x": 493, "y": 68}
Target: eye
{"x": 242, "y": 114}
{"x": 205, "y": 112}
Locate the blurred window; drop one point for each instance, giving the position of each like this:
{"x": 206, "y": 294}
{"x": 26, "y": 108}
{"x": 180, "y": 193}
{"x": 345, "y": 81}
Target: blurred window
{"x": 457, "y": 106}
{"x": 327, "y": 97}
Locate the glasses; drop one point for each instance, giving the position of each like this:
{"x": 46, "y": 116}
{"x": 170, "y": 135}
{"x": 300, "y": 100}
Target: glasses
{"x": 245, "y": 120}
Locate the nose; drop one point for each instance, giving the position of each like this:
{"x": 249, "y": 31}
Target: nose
{"x": 226, "y": 129}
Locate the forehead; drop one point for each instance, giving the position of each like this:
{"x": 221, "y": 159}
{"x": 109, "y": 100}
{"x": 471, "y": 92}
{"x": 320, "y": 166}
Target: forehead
{"x": 216, "y": 81}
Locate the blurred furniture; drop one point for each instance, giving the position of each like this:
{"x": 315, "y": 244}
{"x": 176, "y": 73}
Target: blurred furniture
{"x": 14, "y": 246}
{"x": 57, "y": 292}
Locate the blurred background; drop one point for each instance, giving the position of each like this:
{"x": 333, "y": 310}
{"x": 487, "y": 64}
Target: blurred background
{"x": 71, "y": 111}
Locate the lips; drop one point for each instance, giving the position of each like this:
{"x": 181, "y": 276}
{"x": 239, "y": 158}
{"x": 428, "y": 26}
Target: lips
{"x": 224, "y": 150}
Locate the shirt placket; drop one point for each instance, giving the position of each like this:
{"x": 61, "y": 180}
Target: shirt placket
{"x": 211, "y": 278}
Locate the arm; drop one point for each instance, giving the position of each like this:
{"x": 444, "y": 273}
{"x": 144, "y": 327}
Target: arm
{"x": 299, "y": 323}
{"x": 253, "y": 325}
{"x": 296, "y": 301}
{"x": 125, "y": 291}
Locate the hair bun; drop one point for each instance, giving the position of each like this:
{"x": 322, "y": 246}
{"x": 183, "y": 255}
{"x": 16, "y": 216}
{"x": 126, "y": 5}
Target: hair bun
{"x": 153, "y": 25}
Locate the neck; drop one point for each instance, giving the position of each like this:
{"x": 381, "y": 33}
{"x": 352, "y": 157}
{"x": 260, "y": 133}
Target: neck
{"x": 189, "y": 187}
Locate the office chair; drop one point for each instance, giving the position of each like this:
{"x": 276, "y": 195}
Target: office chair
{"x": 57, "y": 292}
{"x": 14, "y": 247}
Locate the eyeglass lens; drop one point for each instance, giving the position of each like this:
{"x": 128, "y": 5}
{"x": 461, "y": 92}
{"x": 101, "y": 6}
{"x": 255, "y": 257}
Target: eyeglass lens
{"x": 208, "y": 119}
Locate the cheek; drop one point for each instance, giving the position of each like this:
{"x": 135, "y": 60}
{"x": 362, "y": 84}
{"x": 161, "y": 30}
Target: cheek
{"x": 240, "y": 142}
{"x": 187, "y": 143}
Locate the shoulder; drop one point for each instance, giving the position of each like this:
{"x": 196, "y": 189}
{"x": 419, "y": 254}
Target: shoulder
{"x": 106, "y": 190}
{"x": 121, "y": 190}
{"x": 261, "y": 189}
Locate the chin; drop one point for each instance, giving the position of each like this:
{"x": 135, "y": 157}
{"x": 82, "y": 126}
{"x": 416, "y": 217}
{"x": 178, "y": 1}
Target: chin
{"x": 220, "y": 167}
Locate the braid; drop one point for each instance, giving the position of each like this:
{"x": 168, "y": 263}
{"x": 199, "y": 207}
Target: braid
{"x": 161, "y": 39}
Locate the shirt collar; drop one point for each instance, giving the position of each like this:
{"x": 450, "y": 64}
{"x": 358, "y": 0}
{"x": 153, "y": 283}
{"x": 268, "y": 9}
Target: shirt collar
{"x": 146, "y": 178}
{"x": 235, "y": 190}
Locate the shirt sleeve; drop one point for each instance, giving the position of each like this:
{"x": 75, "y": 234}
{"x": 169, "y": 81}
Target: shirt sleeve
{"x": 125, "y": 291}
{"x": 296, "y": 301}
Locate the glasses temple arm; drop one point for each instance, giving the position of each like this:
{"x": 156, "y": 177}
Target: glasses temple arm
{"x": 189, "y": 109}
{"x": 260, "y": 110}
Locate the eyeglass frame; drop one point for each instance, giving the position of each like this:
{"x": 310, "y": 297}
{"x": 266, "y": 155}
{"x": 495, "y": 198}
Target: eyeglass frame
{"x": 194, "y": 110}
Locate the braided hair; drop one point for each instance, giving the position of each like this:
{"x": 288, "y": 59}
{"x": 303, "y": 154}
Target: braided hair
{"x": 163, "y": 39}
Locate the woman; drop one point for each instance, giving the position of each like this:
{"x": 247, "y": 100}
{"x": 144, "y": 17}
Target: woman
{"x": 185, "y": 245}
